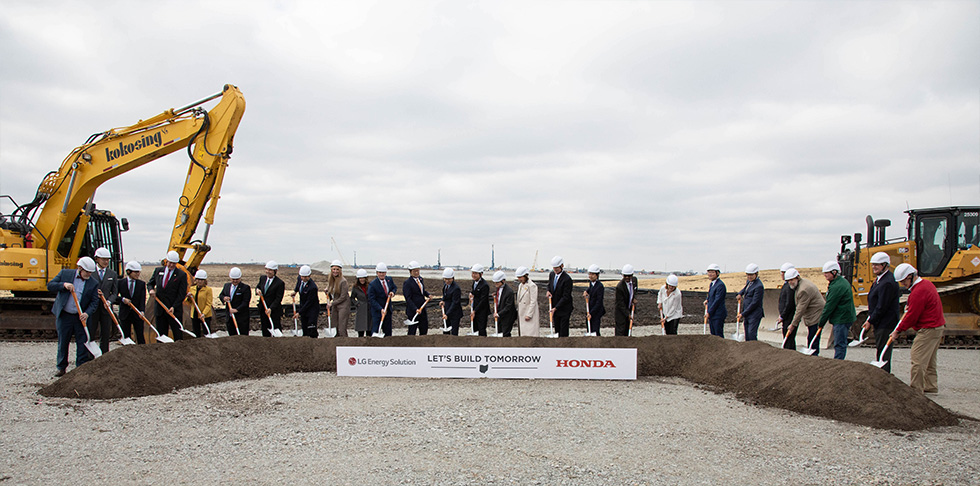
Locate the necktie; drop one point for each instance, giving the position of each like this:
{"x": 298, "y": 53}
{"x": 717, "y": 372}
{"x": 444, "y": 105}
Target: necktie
{"x": 101, "y": 274}
{"x": 419, "y": 281}
{"x": 132, "y": 287}
{"x": 384, "y": 284}
{"x": 232, "y": 291}
{"x": 267, "y": 282}
{"x": 302, "y": 287}
{"x": 166, "y": 277}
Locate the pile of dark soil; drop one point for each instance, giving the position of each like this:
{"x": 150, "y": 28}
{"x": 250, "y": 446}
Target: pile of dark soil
{"x": 754, "y": 372}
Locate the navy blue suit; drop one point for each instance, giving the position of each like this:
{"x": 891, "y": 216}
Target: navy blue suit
{"x": 67, "y": 323}
{"x": 717, "y": 311}
{"x": 597, "y": 308}
{"x": 377, "y": 297}
{"x": 561, "y": 300}
{"x": 452, "y": 306}
{"x": 127, "y": 318}
{"x": 752, "y": 308}
{"x": 239, "y": 302}
{"x": 883, "y": 307}
{"x": 415, "y": 295}
{"x": 309, "y": 306}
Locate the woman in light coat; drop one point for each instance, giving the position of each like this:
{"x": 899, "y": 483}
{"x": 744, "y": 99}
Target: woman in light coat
{"x": 338, "y": 296}
{"x": 358, "y": 295}
{"x": 527, "y": 304}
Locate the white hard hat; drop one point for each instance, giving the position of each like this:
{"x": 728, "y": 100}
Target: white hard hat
{"x": 272, "y": 265}
{"x": 751, "y": 268}
{"x": 87, "y": 264}
{"x": 201, "y": 275}
{"x": 499, "y": 276}
{"x": 672, "y": 280}
{"x": 477, "y": 268}
{"x": 336, "y": 263}
{"x": 881, "y": 257}
{"x": 791, "y": 274}
{"x": 381, "y": 267}
{"x": 786, "y": 266}
{"x": 448, "y": 273}
{"x": 235, "y": 272}
{"x": 627, "y": 269}
{"x": 173, "y": 257}
{"x": 594, "y": 268}
{"x": 521, "y": 272}
{"x": 831, "y": 266}
{"x": 412, "y": 265}
{"x": 305, "y": 271}
{"x": 715, "y": 267}
{"x": 361, "y": 273}
{"x": 102, "y": 253}
{"x": 134, "y": 266}
{"x": 557, "y": 261}
{"x": 903, "y": 270}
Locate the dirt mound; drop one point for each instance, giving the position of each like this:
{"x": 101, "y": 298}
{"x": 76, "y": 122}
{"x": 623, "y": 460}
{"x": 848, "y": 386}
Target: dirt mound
{"x": 754, "y": 372}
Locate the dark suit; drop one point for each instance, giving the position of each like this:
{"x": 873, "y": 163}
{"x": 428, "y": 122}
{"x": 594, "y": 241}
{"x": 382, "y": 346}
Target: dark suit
{"x": 481, "y": 306}
{"x": 69, "y": 323}
{"x": 506, "y": 310}
{"x": 239, "y": 302}
{"x": 128, "y": 319}
{"x": 377, "y": 297}
{"x": 883, "y": 307}
{"x": 624, "y": 304}
{"x": 717, "y": 310}
{"x": 273, "y": 298}
{"x": 415, "y": 295}
{"x": 787, "y": 309}
{"x": 101, "y": 325}
{"x": 309, "y": 306}
{"x": 452, "y": 306}
{"x": 561, "y": 301}
{"x": 172, "y": 295}
{"x": 597, "y": 308}
{"x": 752, "y": 308}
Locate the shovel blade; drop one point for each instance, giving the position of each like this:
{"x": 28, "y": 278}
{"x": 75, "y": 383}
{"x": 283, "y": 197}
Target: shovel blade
{"x": 211, "y": 336}
{"x": 275, "y": 332}
{"x": 164, "y": 339}
{"x": 409, "y": 323}
{"x": 497, "y": 334}
{"x": 330, "y": 332}
{"x": 856, "y": 343}
{"x": 551, "y": 335}
{"x": 378, "y": 335}
{"x": 879, "y": 363}
{"x": 191, "y": 334}
{"x": 93, "y": 348}
{"x": 126, "y": 341}
{"x": 808, "y": 351}
{"x": 298, "y": 332}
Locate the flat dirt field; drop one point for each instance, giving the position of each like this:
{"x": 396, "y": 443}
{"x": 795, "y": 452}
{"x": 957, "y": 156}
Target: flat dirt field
{"x": 253, "y": 410}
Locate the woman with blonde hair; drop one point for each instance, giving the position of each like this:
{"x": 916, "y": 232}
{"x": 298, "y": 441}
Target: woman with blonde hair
{"x": 338, "y": 297}
{"x": 527, "y": 304}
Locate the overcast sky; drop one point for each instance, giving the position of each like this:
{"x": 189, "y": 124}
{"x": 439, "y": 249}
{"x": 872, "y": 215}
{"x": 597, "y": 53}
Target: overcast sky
{"x": 669, "y": 135}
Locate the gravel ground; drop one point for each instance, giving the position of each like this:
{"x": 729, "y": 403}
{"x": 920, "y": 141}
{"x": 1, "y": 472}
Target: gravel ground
{"x": 318, "y": 428}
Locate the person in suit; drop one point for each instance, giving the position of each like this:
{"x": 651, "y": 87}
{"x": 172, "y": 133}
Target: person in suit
{"x": 170, "y": 286}
{"x": 717, "y": 310}
{"x": 883, "y": 306}
{"x": 596, "y": 307}
{"x": 380, "y": 291}
{"x": 751, "y": 298}
{"x": 271, "y": 289}
{"x": 787, "y": 308}
{"x": 201, "y": 294}
{"x": 452, "y": 308}
{"x": 358, "y": 295}
{"x": 480, "y": 298}
{"x": 338, "y": 297}
{"x": 560, "y": 291}
{"x": 527, "y": 303}
{"x": 309, "y": 302}
{"x": 101, "y": 325}
{"x": 69, "y": 318}
{"x": 505, "y": 310}
{"x": 132, "y": 290}
{"x": 415, "y": 294}
{"x": 236, "y": 295}
{"x": 625, "y": 300}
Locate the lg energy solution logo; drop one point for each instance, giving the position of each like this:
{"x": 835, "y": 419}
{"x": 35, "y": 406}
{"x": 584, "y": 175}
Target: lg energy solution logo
{"x": 384, "y": 363}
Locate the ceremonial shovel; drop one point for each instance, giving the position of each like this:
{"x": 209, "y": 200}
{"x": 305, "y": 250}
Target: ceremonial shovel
{"x": 331, "y": 331}
{"x": 268, "y": 313}
{"x": 706, "y": 318}
{"x": 588, "y": 318}
{"x": 296, "y": 329}
{"x": 472, "y": 325}
{"x": 125, "y": 341}
{"x": 738, "y": 323}
{"x": 91, "y": 346}
{"x": 418, "y": 312}
{"x": 861, "y": 339}
{"x": 632, "y": 308}
{"x": 160, "y": 338}
{"x": 234, "y": 322}
{"x": 207, "y": 329}
{"x": 881, "y": 358}
{"x": 496, "y": 327}
{"x": 663, "y": 318}
{"x": 171, "y": 314}
{"x": 813, "y": 343}
{"x": 551, "y": 320}
{"x": 384, "y": 312}
{"x": 442, "y": 307}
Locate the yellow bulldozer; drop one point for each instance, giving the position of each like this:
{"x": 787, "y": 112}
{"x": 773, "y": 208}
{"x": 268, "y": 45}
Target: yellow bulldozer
{"x": 943, "y": 244}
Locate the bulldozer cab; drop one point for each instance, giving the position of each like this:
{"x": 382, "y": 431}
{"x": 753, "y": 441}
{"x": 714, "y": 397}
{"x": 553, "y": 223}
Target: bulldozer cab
{"x": 939, "y": 233}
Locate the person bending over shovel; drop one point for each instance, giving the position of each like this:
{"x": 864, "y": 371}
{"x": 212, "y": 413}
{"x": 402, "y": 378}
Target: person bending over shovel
{"x": 309, "y": 302}
{"x": 69, "y": 319}
{"x": 270, "y": 289}
{"x": 809, "y": 306}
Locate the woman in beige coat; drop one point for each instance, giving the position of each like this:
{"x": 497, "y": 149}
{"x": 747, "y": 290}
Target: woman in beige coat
{"x": 527, "y": 304}
{"x": 338, "y": 295}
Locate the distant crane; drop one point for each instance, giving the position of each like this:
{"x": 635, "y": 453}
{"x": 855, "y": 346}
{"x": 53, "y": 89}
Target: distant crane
{"x": 534, "y": 264}
{"x": 335, "y": 246}
{"x": 439, "y": 258}
{"x": 492, "y": 264}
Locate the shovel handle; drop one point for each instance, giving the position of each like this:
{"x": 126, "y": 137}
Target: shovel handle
{"x": 143, "y": 316}
{"x": 78, "y": 306}
{"x": 167, "y": 310}
{"x": 206, "y": 327}
{"x": 109, "y": 308}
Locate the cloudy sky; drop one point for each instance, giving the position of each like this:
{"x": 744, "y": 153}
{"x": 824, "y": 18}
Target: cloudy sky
{"x": 668, "y": 135}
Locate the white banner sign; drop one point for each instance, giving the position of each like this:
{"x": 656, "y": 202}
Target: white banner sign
{"x": 542, "y": 363}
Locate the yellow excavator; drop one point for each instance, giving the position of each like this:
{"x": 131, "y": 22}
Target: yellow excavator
{"x": 40, "y": 238}
{"x": 943, "y": 244}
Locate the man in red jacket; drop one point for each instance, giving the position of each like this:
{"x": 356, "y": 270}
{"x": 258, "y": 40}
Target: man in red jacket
{"x": 924, "y": 313}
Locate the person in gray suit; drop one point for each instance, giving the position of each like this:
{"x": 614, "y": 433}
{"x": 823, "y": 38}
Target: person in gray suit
{"x": 69, "y": 319}
{"x": 101, "y": 323}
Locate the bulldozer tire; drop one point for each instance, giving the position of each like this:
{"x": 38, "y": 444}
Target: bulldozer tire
{"x": 975, "y": 300}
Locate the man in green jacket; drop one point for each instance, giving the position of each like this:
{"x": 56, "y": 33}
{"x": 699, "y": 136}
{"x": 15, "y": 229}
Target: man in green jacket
{"x": 839, "y": 309}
